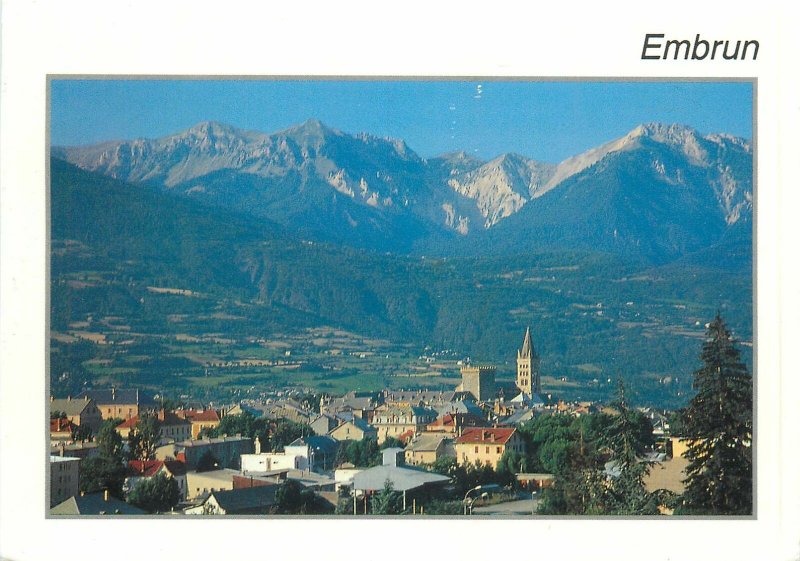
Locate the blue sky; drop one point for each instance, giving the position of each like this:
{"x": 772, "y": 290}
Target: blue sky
{"x": 548, "y": 121}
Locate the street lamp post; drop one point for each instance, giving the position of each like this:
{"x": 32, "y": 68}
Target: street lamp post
{"x": 485, "y": 488}
{"x": 472, "y": 502}
{"x": 467, "y": 495}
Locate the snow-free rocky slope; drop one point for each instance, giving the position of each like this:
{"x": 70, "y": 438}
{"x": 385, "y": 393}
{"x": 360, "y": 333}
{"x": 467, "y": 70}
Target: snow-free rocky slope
{"x": 660, "y": 192}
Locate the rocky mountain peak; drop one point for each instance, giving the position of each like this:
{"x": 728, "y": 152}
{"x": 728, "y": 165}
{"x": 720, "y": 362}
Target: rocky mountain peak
{"x": 366, "y": 178}
{"x": 206, "y": 128}
{"x": 310, "y": 131}
{"x": 671, "y": 133}
{"x": 686, "y": 139}
{"x": 215, "y": 130}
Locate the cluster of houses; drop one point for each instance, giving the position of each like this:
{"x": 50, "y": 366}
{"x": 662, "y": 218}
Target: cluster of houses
{"x": 471, "y": 424}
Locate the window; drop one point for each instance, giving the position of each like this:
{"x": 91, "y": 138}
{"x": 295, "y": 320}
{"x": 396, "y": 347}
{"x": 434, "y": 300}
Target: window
{"x": 498, "y": 449}
{"x": 487, "y": 449}
{"x": 476, "y": 449}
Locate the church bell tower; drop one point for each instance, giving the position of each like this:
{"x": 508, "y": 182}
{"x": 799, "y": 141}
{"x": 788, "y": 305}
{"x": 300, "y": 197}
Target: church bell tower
{"x": 529, "y": 380}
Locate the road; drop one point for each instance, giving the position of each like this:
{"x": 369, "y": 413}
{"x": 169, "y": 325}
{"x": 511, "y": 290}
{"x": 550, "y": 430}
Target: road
{"x": 511, "y": 508}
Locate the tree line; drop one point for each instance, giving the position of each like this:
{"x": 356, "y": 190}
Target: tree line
{"x": 600, "y": 462}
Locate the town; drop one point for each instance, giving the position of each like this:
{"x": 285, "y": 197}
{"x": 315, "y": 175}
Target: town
{"x": 484, "y": 448}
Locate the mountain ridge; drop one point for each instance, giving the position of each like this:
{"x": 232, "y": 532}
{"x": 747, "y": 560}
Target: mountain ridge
{"x": 378, "y": 193}
{"x": 152, "y": 266}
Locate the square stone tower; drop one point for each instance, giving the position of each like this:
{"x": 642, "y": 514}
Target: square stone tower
{"x": 479, "y": 380}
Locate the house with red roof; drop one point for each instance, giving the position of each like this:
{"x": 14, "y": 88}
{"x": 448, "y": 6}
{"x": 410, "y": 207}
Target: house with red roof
{"x": 61, "y": 430}
{"x": 171, "y": 427}
{"x": 124, "y": 428}
{"x": 205, "y": 419}
{"x": 487, "y": 445}
{"x": 141, "y": 470}
{"x": 454, "y": 423}
{"x": 82, "y": 412}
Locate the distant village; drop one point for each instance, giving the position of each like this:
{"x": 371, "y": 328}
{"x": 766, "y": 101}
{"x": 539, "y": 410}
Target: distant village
{"x": 412, "y": 444}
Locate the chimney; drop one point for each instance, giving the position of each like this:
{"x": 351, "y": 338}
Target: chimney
{"x": 51, "y": 399}
{"x": 86, "y": 398}
{"x": 105, "y": 495}
{"x": 69, "y": 398}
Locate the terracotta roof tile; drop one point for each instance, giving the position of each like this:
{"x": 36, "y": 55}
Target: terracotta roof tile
{"x": 144, "y": 468}
{"x": 406, "y": 436}
{"x": 198, "y": 416}
{"x": 493, "y": 435}
{"x": 61, "y": 425}
{"x": 128, "y": 423}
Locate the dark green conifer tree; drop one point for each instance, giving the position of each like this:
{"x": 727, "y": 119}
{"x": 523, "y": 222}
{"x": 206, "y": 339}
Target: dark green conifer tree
{"x": 718, "y": 424}
{"x": 629, "y": 444}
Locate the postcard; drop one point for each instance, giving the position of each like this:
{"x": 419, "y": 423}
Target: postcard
{"x": 440, "y": 286}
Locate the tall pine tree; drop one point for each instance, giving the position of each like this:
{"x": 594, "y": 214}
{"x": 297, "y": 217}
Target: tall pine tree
{"x": 629, "y": 444}
{"x": 718, "y": 424}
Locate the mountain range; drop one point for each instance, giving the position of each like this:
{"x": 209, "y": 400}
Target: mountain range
{"x": 615, "y": 257}
{"x": 660, "y": 193}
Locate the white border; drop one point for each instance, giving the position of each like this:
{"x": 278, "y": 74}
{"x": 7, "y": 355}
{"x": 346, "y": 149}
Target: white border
{"x": 410, "y": 38}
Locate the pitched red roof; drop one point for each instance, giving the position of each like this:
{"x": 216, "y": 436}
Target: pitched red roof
{"x": 486, "y": 435}
{"x": 144, "y": 468}
{"x": 61, "y": 425}
{"x": 449, "y": 420}
{"x": 209, "y": 415}
{"x": 446, "y": 421}
{"x": 149, "y": 468}
{"x": 406, "y": 437}
{"x": 128, "y": 423}
{"x": 165, "y": 418}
